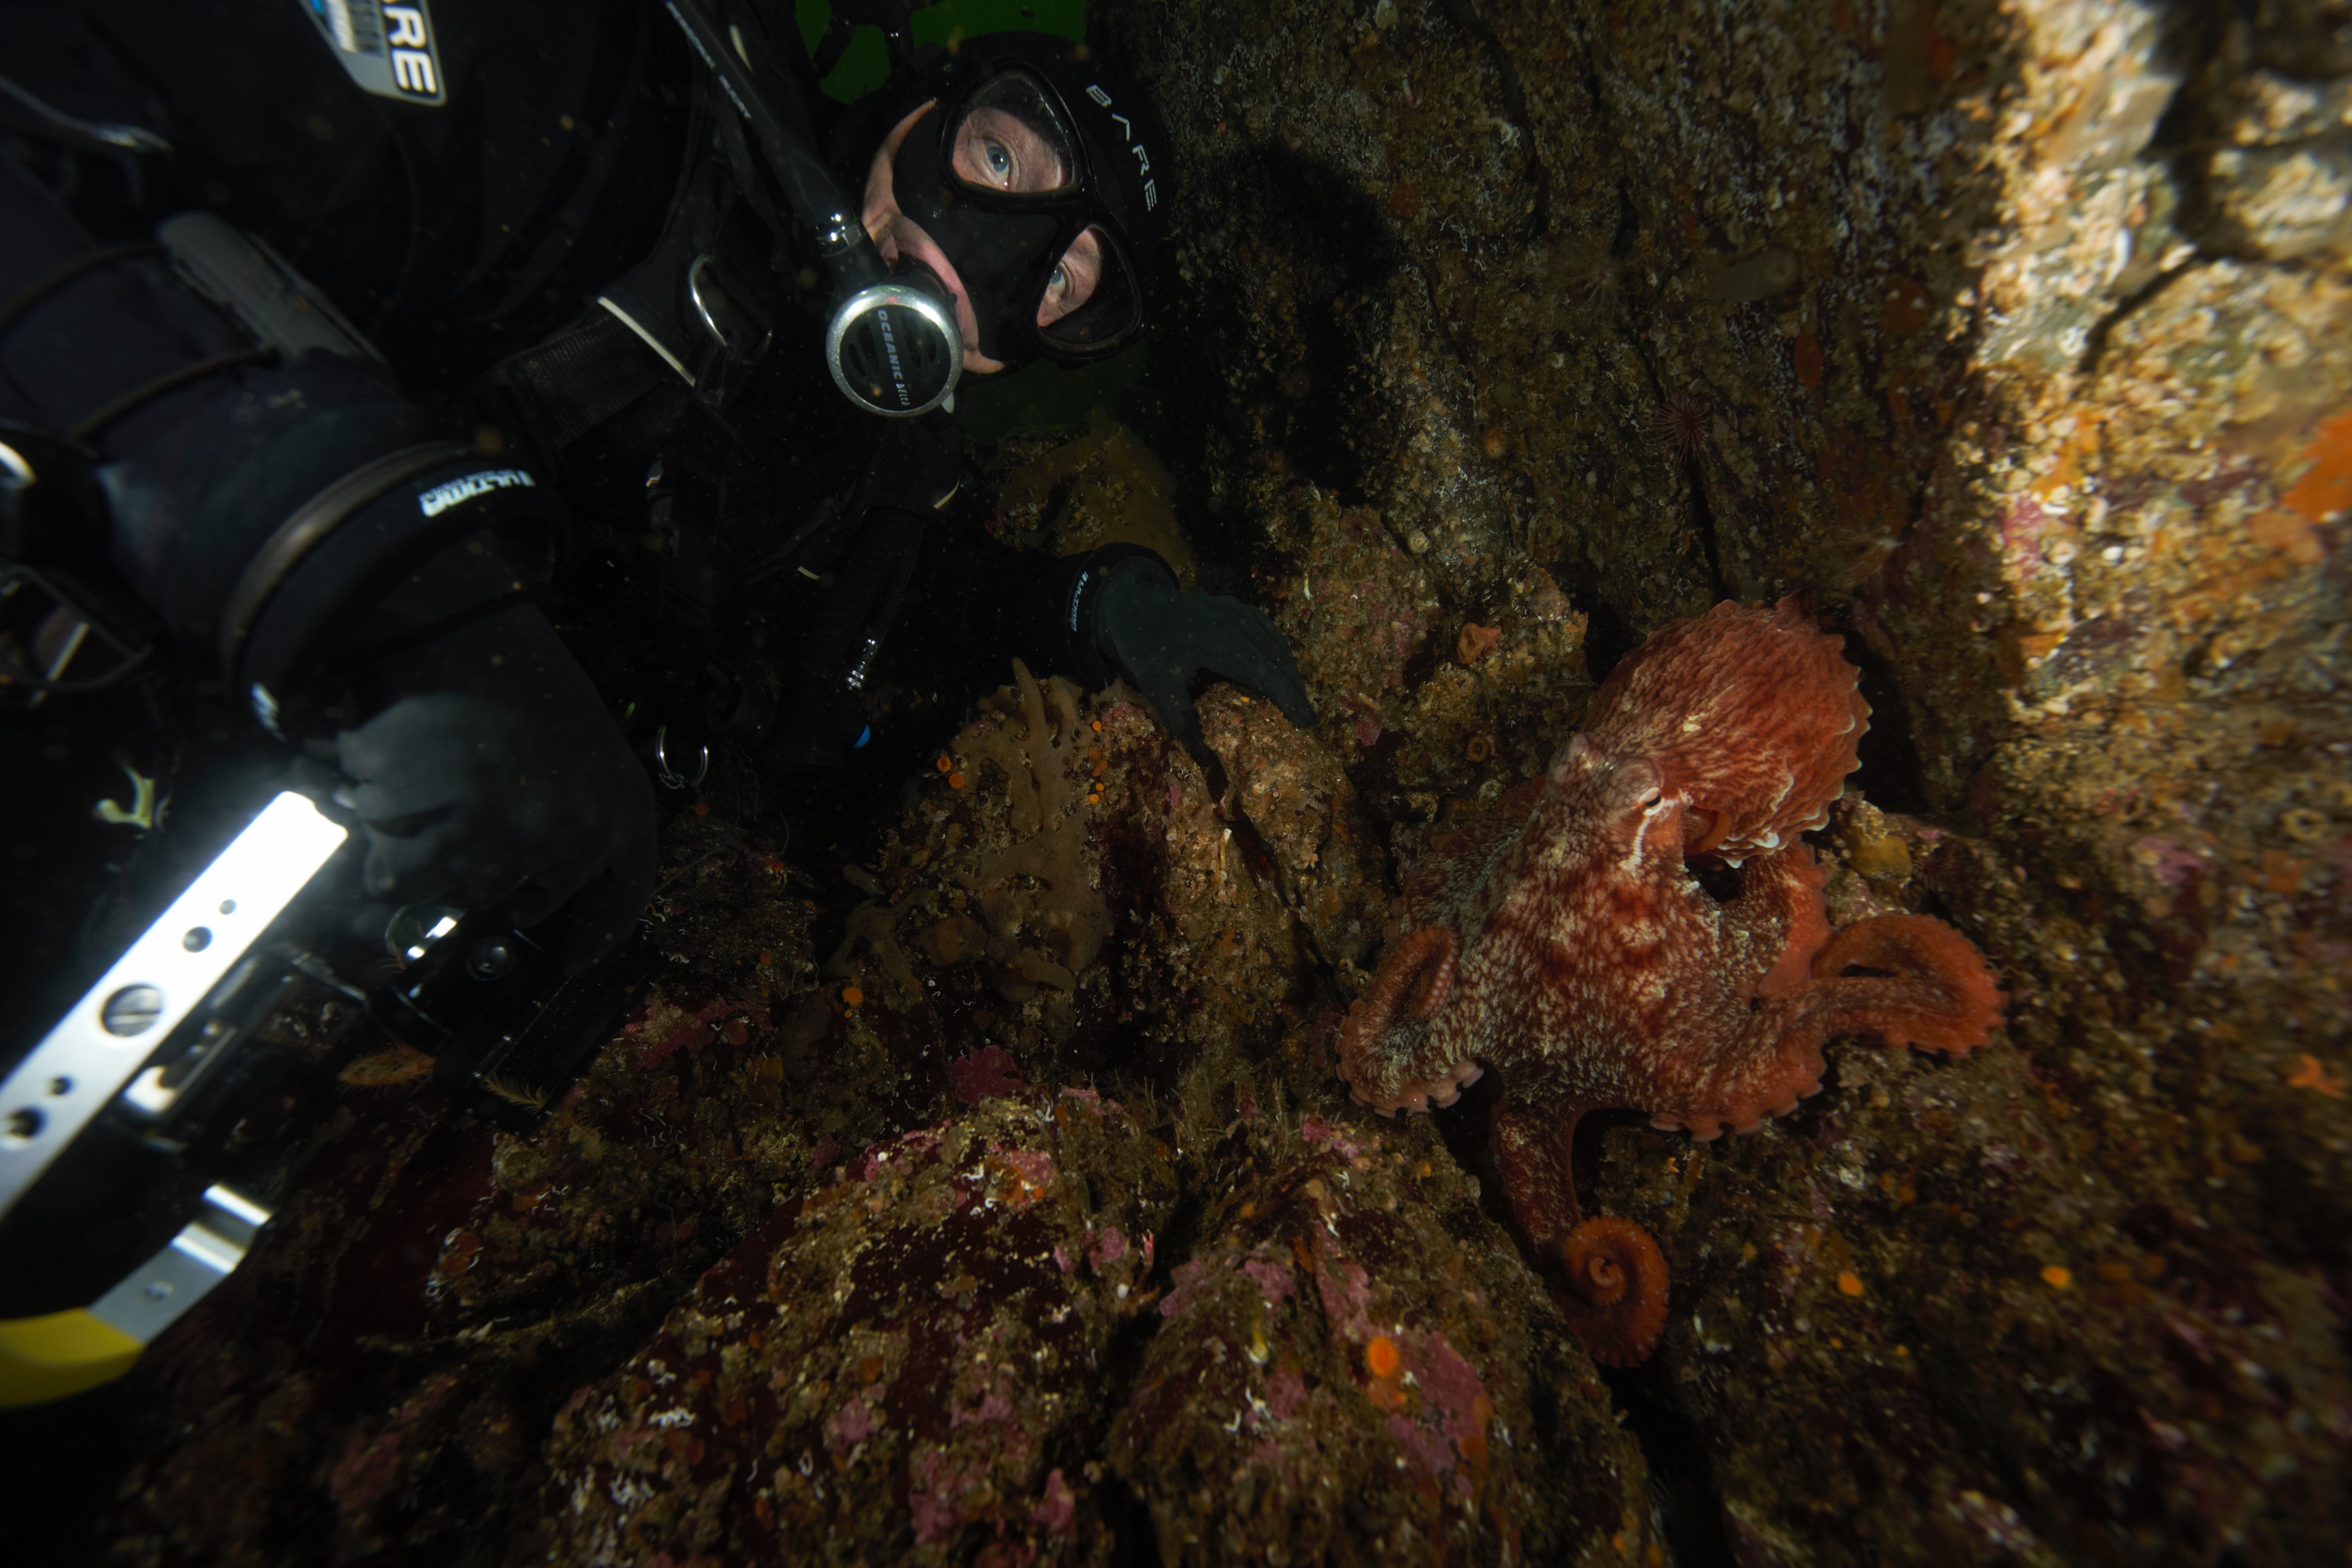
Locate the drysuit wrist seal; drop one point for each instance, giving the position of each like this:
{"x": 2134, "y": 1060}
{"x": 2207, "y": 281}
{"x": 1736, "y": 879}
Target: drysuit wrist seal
{"x": 300, "y": 600}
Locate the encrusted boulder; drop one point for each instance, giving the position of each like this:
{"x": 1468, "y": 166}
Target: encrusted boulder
{"x": 911, "y": 1364}
{"x": 1352, "y": 1366}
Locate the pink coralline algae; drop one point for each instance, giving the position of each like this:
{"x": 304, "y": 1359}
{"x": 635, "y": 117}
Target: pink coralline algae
{"x": 662, "y": 1029}
{"x": 984, "y": 1074}
{"x": 1563, "y": 941}
{"x": 898, "y": 1358}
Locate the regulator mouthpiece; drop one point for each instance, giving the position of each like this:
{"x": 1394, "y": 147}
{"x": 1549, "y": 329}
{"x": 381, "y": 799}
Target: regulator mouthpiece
{"x": 894, "y": 347}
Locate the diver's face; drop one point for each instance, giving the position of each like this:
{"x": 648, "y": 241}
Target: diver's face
{"x": 997, "y": 150}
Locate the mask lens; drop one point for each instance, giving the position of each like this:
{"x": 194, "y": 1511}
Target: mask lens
{"x": 1092, "y": 303}
{"x": 1010, "y": 140}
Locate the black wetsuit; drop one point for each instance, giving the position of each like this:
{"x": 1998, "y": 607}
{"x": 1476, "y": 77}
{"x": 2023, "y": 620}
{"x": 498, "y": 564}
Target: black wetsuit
{"x": 452, "y": 234}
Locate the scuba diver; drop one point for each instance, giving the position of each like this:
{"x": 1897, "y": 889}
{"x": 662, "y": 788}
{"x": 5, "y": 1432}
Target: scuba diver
{"x": 363, "y": 362}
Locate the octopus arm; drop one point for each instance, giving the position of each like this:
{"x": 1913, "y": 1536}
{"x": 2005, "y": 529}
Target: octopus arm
{"x": 1377, "y": 1055}
{"x": 1616, "y": 1295}
{"x": 1615, "y": 1284}
{"x": 1780, "y": 901}
{"x": 1753, "y": 1053}
{"x": 1770, "y": 1065}
{"x": 1532, "y": 1142}
{"x": 1924, "y": 984}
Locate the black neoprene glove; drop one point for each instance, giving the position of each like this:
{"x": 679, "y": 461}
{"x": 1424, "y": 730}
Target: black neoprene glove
{"x": 498, "y": 778}
{"x": 1158, "y": 637}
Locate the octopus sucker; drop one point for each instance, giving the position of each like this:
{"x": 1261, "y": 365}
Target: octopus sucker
{"x": 1561, "y": 941}
{"x": 1426, "y": 1095}
{"x": 1411, "y": 984}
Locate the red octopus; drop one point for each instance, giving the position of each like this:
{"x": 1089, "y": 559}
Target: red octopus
{"x": 1563, "y": 941}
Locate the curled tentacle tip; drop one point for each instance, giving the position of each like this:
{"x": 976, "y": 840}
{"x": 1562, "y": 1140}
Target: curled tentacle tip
{"x": 1617, "y": 1290}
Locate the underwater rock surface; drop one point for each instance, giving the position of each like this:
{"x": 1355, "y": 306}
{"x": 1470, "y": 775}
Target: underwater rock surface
{"x": 909, "y": 1362}
{"x": 2014, "y": 341}
{"x": 1353, "y": 1367}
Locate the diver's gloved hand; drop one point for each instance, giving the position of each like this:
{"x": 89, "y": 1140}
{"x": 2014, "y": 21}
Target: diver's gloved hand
{"x": 503, "y": 782}
{"x": 1158, "y": 637}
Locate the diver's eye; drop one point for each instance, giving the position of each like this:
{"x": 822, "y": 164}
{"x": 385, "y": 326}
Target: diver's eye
{"x": 1059, "y": 284}
{"x": 1000, "y": 161}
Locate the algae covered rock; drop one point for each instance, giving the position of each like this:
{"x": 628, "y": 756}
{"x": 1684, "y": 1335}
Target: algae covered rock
{"x": 1353, "y": 1366}
{"x": 911, "y": 1364}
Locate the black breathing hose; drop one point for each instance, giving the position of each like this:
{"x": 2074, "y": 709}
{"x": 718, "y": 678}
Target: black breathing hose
{"x": 815, "y": 195}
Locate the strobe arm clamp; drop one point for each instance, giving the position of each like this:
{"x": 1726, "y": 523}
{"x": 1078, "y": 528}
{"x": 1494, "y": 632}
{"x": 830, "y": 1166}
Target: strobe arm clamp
{"x": 893, "y": 343}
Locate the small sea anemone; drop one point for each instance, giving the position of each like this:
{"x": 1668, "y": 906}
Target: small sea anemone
{"x": 1595, "y": 275}
{"x": 1682, "y": 426}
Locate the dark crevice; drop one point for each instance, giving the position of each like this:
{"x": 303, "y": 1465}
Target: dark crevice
{"x": 1688, "y": 471}
{"x": 1129, "y": 1517}
{"x": 2183, "y": 141}
{"x": 1891, "y": 776}
{"x": 1135, "y": 1543}
{"x": 1715, "y": 879}
{"x": 1123, "y": 1509}
{"x": 1302, "y": 399}
{"x": 1682, "y": 1474}
{"x": 1701, "y": 516}
{"x": 1463, "y": 1128}
{"x": 1607, "y": 638}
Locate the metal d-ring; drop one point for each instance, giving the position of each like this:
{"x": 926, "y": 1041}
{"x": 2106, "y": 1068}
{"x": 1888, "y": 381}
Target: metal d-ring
{"x": 669, "y": 776}
{"x": 702, "y": 306}
{"x": 718, "y": 309}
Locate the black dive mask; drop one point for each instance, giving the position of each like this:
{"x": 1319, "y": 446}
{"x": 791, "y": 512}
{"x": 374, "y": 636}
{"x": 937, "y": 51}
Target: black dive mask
{"x": 1006, "y": 179}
